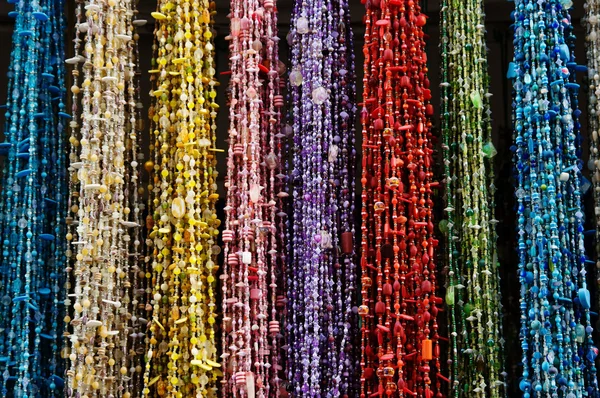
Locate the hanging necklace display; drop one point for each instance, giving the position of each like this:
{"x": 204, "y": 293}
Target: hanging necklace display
{"x": 253, "y": 250}
{"x": 133, "y": 194}
{"x": 183, "y": 224}
{"x": 33, "y": 204}
{"x": 399, "y": 332}
{"x": 101, "y": 219}
{"x": 473, "y": 293}
{"x": 321, "y": 277}
{"x": 592, "y": 23}
{"x": 556, "y": 334}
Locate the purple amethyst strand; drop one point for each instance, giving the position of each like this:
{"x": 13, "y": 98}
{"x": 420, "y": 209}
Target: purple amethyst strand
{"x": 321, "y": 277}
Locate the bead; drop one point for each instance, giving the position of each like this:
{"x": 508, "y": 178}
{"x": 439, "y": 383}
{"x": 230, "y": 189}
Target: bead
{"x": 427, "y": 350}
{"x": 302, "y": 25}
{"x": 296, "y": 78}
{"x": 489, "y": 150}
{"x": 347, "y": 241}
{"x": 319, "y": 95}
{"x": 178, "y": 207}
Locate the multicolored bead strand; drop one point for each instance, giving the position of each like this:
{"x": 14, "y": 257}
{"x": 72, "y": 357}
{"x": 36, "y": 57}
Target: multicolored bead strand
{"x": 33, "y": 204}
{"x": 321, "y": 280}
{"x": 592, "y": 23}
{"x": 183, "y": 225}
{"x": 399, "y": 341}
{"x": 100, "y": 220}
{"x": 254, "y": 251}
{"x": 134, "y": 192}
{"x": 556, "y": 334}
{"x": 473, "y": 292}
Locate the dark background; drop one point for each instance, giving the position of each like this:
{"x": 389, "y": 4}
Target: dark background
{"x": 499, "y": 39}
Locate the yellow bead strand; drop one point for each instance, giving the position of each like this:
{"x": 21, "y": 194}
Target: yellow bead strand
{"x": 181, "y": 351}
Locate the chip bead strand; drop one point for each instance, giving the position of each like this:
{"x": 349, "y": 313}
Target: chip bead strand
{"x": 558, "y": 351}
{"x": 320, "y": 277}
{"x": 591, "y": 22}
{"x": 473, "y": 292}
{"x": 182, "y": 223}
{"x": 254, "y": 254}
{"x": 33, "y": 205}
{"x": 100, "y": 308}
{"x": 400, "y": 344}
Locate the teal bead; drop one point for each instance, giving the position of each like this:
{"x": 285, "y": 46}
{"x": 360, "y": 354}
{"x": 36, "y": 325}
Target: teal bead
{"x": 489, "y": 150}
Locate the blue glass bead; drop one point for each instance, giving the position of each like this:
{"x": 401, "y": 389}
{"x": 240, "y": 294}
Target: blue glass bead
{"x": 572, "y": 86}
{"x": 23, "y": 173}
{"x": 511, "y": 73}
{"x": 40, "y": 16}
{"x": 564, "y": 52}
{"x": 584, "y": 298}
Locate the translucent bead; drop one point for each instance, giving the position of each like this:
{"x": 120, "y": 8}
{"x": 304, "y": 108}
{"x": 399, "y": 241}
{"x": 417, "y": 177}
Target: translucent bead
{"x": 296, "y": 78}
{"x": 319, "y": 95}
{"x": 302, "y": 25}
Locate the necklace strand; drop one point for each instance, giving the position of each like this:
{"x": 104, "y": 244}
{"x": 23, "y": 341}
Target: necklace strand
{"x": 400, "y": 341}
{"x": 32, "y": 204}
{"x": 558, "y": 355}
{"x": 181, "y": 354}
{"x": 253, "y": 251}
{"x": 473, "y": 294}
{"x": 100, "y": 302}
{"x": 591, "y": 22}
{"x": 321, "y": 281}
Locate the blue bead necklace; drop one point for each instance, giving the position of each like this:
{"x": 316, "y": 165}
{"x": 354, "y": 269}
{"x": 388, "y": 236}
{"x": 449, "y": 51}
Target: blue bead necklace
{"x": 558, "y": 355}
{"x": 32, "y": 206}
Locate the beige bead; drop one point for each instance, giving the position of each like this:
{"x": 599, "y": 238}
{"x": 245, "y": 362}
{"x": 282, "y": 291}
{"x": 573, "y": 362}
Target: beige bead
{"x": 178, "y": 208}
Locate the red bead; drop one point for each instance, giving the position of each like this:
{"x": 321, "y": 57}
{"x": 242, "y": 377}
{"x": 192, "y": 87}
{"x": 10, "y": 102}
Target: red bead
{"x": 426, "y": 286}
{"x": 388, "y": 55}
{"x": 387, "y": 289}
{"x": 347, "y": 241}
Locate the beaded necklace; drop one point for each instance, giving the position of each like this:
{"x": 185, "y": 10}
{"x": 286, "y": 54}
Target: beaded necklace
{"x": 473, "y": 294}
{"x": 320, "y": 279}
{"x": 32, "y": 204}
{"x": 399, "y": 333}
{"x": 181, "y": 353}
{"x": 591, "y": 21}
{"x": 139, "y": 275}
{"x": 253, "y": 250}
{"x": 101, "y": 170}
{"x": 556, "y": 334}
